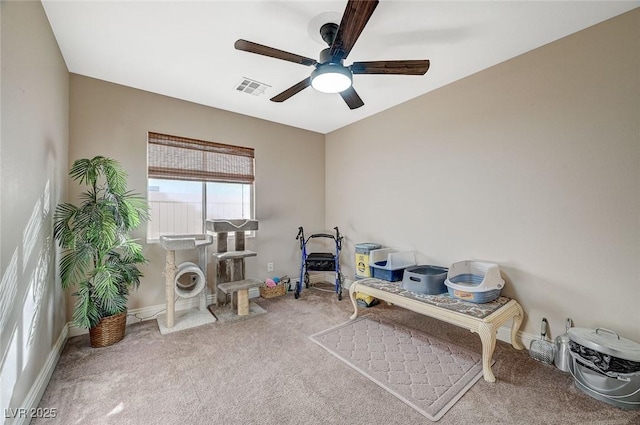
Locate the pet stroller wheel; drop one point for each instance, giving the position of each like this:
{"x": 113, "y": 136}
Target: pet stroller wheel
{"x": 306, "y": 280}
{"x": 340, "y": 296}
{"x": 296, "y": 294}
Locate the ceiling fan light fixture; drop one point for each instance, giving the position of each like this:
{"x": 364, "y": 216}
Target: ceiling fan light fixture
{"x": 331, "y": 78}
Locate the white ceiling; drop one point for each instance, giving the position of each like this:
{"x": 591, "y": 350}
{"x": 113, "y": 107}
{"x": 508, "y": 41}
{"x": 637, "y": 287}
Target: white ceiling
{"x": 184, "y": 49}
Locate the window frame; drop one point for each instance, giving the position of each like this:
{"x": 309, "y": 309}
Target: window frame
{"x": 193, "y": 177}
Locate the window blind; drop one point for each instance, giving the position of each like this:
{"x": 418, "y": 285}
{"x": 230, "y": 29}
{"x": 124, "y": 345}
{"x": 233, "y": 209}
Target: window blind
{"x": 179, "y": 158}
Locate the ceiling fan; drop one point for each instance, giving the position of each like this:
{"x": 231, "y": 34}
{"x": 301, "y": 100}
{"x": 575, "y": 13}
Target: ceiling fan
{"x": 330, "y": 75}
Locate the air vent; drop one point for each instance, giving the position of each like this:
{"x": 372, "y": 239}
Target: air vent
{"x": 250, "y": 86}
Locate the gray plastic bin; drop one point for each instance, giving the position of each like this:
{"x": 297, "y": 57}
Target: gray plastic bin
{"x": 425, "y": 279}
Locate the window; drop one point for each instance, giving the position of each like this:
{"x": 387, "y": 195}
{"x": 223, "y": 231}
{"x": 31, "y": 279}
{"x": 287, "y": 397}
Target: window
{"x": 193, "y": 180}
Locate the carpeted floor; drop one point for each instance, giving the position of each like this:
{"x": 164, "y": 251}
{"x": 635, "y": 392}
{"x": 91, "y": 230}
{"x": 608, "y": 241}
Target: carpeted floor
{"x": 267, "y": 371}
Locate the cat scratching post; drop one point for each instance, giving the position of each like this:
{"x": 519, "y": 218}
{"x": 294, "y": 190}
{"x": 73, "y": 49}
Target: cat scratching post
{"x": 187, "y": 280}
{"x": 230, "y": 271}
{"x": 170, "y": 276}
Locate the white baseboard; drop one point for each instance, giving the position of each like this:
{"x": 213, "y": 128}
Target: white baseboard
{"x": 316, "y": 277}
{"x": 32, "y": 400}
{"x": 504, "y": 335}
{"x": 150, "y": 312}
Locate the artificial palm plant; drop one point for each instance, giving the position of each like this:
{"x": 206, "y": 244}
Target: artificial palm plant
{"x": 99, "y": 256}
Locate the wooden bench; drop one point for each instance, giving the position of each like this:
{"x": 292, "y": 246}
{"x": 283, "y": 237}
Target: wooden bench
{"x": 484, "y": 323}
{"x": 242, "y": 288}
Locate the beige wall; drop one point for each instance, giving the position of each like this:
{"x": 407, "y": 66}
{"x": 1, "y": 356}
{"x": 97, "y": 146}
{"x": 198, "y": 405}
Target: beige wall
{"x": 113, "y": 120}
{"x": 33, "y": 167}
{"x": 533, "y": 164}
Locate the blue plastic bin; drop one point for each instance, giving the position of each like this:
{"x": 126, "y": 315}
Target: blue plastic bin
{"x": 389, "y": 264}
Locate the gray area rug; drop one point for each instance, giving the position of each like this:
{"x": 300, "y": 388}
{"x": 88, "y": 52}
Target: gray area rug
{"x": 428, "y": 374}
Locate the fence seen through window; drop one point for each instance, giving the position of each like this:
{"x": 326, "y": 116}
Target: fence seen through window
{"x": 192, "y": 180}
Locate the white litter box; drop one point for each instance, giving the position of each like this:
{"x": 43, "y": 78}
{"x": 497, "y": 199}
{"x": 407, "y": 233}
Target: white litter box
{"x": 474, "y": 281}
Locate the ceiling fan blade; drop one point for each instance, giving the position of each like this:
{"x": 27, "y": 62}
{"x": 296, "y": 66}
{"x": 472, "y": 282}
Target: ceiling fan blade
{"x": 351, "y": 98}
{"x": 355, "y": 17}
{"x": 292, "y": 90}
{"x": 251, "y": 47}
{"x": 408, "y": 67}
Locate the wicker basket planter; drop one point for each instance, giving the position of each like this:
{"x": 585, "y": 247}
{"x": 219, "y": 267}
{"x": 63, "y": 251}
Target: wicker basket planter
{"x": 274, "y": 291}
{"x": 109, "y": 330}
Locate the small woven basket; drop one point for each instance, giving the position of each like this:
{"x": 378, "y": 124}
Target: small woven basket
{"x": 274, "y": 291}
{"x": 109, "y": 330}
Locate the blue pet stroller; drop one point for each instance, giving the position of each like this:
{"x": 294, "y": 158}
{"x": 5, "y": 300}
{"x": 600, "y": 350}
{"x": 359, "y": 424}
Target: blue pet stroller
{"x": 319, "y": 261}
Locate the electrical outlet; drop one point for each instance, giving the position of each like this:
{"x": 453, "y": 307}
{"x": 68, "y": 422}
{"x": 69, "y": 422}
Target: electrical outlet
{"x": 269, "y": 267}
